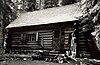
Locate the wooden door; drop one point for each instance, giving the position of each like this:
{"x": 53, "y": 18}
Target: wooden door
{"x": 58, "y": 39}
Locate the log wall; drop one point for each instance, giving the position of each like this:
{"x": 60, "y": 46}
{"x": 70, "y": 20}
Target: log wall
{"x": 44, "y": 37}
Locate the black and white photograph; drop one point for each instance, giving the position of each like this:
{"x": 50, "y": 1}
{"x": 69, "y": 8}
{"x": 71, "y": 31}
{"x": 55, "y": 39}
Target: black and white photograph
{"x": 49, "y": 32}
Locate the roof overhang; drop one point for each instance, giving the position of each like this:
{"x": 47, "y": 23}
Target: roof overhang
{"x": 47, "y": 16}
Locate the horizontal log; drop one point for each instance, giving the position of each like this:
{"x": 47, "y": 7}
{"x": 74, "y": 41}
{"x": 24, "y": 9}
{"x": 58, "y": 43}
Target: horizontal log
{"x": 46, "y": 33}
{"x": 81, "y": 37}
{"x": 66, "y": 42}
{"x": 82, "y": 43}
{"x": 82, "y": 46}
{"x": 25, "y": 45}
{"x": 48, "y": 47}
{"x": 16, "y": 37}
{"x": 81, "y": 34}
{"x": 82, "y": 40}
{"x": 83, "y": 49}
{"x": 66, "y": 37}
{"x": 16, "y": 34}
{"x": 46, "y": 36}
{"x": 85, "y": 52}
{"x": 26, "y": 48}
{"x": 66, "y": 47}
{"x": 31, "y": 43}
{"x": 19, "y": 50}
{"x": 47, "y": 42}
{"x": 68, "y": 31}
{"x": 15, "y": 41}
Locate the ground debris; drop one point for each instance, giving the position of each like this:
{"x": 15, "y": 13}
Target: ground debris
{"x": 3, "y": 63}
{"x": 86, "y": 61}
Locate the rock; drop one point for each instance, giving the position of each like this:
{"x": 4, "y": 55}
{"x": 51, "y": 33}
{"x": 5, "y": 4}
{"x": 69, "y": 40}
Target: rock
{"x": 24, "y": 59}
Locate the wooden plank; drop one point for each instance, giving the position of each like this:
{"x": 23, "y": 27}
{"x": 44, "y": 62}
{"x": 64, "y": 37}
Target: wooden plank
{"x": 31, "y": 43}
{"x": 49, "y": 38}
{"x": 68, "y": 31}
{"x": 82, "y": 46}
{"x": 24, "y": 46}
{"x": 46, "y": 36}
{"x": 46, "y": 33}
{"x": 48, "y": 47}
{"x": 17, "y": 50}
{"x": 15, "y": 41}
{"x": 17, "y": 32}
{"x": 81, "y": 43}
{"x": 47, "y": 42}
{"x": 71, "y": 28}
{"x": 66, "y": 42}
{"x": 66, "y": 37}
{"x": 66, "y": 47}
{"x": 81, "y": 40}
{"x": 16, "y": 37}
{"x": 83, "y": 49}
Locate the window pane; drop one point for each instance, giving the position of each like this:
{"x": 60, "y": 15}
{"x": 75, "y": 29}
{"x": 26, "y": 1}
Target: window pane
{"x": 31, "y": 37}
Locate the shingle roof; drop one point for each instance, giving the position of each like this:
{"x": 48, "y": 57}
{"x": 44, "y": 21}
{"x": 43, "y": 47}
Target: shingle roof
{"x": 47, "y": 16}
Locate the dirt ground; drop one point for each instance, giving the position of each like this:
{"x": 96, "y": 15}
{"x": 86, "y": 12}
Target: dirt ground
{"x": 30, "y": 62}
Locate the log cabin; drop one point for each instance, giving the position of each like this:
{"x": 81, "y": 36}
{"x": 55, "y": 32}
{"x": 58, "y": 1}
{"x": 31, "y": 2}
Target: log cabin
{"x": 47, "y": 29}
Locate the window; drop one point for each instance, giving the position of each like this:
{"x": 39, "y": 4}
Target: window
{"x": 31, "y": 37}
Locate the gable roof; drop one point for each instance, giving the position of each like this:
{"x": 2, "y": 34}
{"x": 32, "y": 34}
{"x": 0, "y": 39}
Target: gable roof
{"x": 47, "y": 16}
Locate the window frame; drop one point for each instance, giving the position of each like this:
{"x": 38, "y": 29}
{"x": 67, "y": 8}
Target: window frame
{"x": 31, "y": 37}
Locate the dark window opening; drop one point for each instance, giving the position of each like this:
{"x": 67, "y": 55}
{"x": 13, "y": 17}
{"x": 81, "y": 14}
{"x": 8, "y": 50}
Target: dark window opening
{"x": 31, "y": 37}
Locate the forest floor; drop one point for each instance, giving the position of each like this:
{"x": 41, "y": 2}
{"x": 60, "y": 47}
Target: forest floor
{"x": 30, "y": 62}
